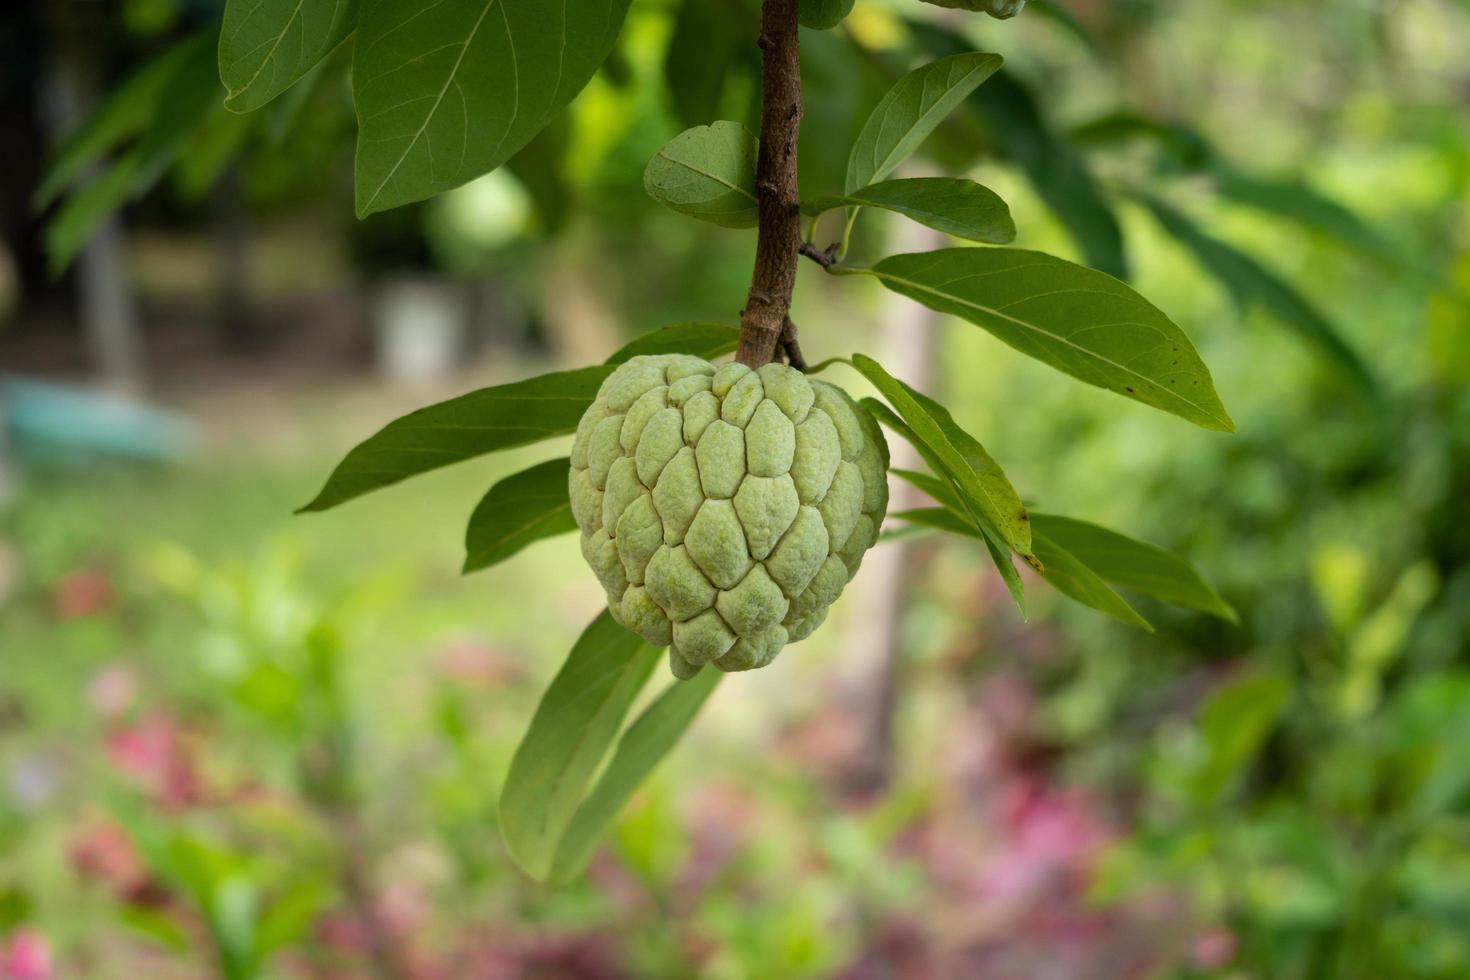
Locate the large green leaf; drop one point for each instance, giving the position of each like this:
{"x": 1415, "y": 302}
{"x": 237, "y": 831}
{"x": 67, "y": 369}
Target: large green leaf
{"x": 448, "y": 90}
{"x": 573, "y": 728}
{"x": 822, "y": 15}
{"x": 982, "y": 483}
{"x": 708, "y": 173}
{"x": 1076, "y": 319}
{"x": 952, "y": 205}
{"x": 910, "y": 111}
{"x": 700, "y": 338}
{"x": 1250, "y": 283}
{"x": 945, "y": 488}
{"x": 1135, "y": 565}
{"x": 641, "y": 747}
{"x": 266, "y": 46}
{"x": 462, "y": 428}
{"x": 519, "y": 510}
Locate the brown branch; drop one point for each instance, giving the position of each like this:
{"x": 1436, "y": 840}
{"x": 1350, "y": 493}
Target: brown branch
{"x": 769, "y": 301}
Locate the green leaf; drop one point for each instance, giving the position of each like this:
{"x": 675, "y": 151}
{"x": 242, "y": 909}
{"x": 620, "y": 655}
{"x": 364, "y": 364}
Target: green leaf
{"x": 448, "y": 91}
{"x": 1012, "y": 118}
{"x": 708, "y": 173}
{"x": 1057, "y": 12}
{"x": 641, "y": 748}
{"x": 934, "y": 486}
{"x": 1186, "y": 148}
{"x": 266, "y": 46}
{"x": 941, "y": 519}
{"x": 952, "y": 205}
{"x": 910, "y": 111}
{"x": 130, "y": 109}
{"x": 1251, "y": 283}
{"x": 1134, "y": 565}
{"x": 1298, "y": 202}
{"x": 709, "y": 44}
{"x": 1078, "y": 320}
{"x": 519, "y": 510}
{"x": 462, "y": 428}
{"x": 1234, "y": 723}
{"x": 1071, "y": 576}
{"x": 571, "y": 732}
{"x": 981, "y": 482}
{"x": 954, "y": 522}
{"x": 702, "y": 339}
{"x": 822, "y": 15}
{"x": 190, "y": 94}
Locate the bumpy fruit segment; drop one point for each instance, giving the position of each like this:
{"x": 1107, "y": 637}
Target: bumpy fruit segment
{"x": 724, "y": 509}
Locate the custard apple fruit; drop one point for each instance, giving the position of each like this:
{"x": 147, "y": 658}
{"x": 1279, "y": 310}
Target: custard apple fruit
{"x": 723, "y": 508}
{"x": 1003, "y": 9}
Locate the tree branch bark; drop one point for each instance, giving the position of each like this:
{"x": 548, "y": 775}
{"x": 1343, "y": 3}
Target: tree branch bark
{"x": 779, "y": 204}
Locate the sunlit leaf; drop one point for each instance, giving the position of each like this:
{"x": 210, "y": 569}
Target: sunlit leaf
{"x": 573, "y": 728}
{"x": 1251, "y": 283}
{"x": 448, "y": 91}
{"x": 640, "y": 749}
{"x": 708, "y": 173}
{"x": 702, "y": 339}
{"x": 954, "y": 206}
{"x": 266, "y": 46}
{"x": 910, "y": 111}
{"x": 1076, "y": 319}
{"x": 462, "y": 428}
{"x": 1134, "y": 565}
{"x": 519, "y": 510}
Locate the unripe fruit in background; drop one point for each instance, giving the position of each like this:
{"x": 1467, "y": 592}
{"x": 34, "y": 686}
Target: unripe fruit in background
{"x": 723, "y": 508}
{"x": 1002, "y": 9}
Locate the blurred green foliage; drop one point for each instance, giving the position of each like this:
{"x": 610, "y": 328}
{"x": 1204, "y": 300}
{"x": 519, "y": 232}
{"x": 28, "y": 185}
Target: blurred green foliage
{"x": 236, "y": 746}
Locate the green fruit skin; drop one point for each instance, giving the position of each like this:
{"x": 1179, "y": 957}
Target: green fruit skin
{"x": 723, "y": 509}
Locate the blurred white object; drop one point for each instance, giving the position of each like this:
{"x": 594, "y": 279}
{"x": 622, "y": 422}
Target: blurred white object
{"x": 420, "y": 327}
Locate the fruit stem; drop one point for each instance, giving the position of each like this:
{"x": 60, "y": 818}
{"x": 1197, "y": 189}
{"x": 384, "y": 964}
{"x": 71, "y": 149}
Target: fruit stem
{"x": 768, "y": 304}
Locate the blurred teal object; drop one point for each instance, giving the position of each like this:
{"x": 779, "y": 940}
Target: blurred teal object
{"x": 42, "y": 419}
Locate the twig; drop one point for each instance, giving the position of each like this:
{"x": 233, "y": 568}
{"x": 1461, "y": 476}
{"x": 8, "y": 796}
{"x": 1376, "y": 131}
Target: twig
{"x": 791, "y": 347}
{"x": 778, "y": 202}
{"x": 826, "y": 258}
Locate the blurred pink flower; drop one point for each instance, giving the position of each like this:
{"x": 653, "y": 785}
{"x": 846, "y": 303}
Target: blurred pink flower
{"x": 153, "y": 752}
{"x": 112, "y": 690}
{"x": 85, "y": 592}
{"x": 1052, "y": 841}
{"x": 103, "y": 850}
{"x": 1214, "y": 949}
{"x": 480, "y": 663}
{"x": 25, "y": 955}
